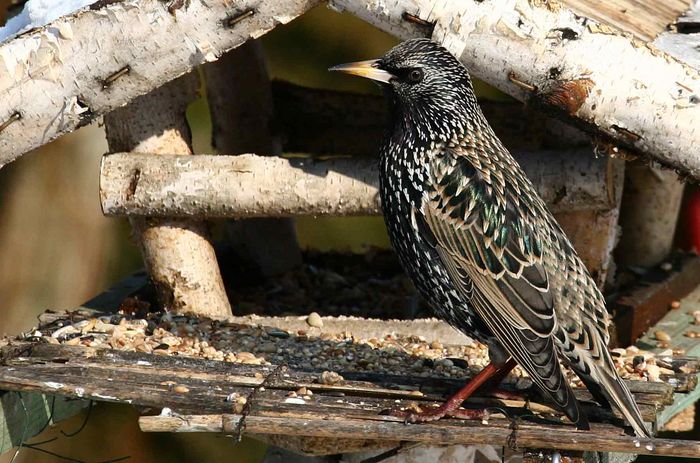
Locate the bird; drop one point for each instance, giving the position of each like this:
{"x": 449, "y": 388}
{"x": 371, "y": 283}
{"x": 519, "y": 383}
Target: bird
{"x": 480, "y": 244}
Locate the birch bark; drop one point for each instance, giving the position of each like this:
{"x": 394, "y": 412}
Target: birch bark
{"x": 249, "y": 185}
{"x": 604, "y": 80}
{"x": 178, "y": 255}
{"x": 64, "y": 75}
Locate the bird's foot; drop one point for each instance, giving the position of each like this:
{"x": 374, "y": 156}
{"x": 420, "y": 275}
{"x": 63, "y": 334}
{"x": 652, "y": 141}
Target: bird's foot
{"x": 418, "y": 415}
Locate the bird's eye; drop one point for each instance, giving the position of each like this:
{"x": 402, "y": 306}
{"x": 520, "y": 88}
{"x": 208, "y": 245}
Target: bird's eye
{"x": 415, "y": 75}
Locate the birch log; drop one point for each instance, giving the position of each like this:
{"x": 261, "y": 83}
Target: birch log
{"x": 240, "y": 101}
{"x": 538, "y": 51}
{"x": 249, "y": 185}
{"x": 63, "y": 75}
{"x": 178, "y": 255}
{"x": 650, "y": 206}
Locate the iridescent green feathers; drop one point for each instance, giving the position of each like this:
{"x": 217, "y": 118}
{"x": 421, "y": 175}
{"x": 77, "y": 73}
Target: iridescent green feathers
{"x": 486, "y": 237}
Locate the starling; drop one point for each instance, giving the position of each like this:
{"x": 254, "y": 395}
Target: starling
{"x": 478, "y": 241}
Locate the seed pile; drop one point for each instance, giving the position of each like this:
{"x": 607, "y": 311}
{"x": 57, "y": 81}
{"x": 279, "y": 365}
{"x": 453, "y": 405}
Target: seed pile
{"x": 333, "y": 284}
{"x": 310, "y": 349}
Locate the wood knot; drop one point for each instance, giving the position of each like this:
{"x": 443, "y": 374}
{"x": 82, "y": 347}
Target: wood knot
{"x": 568, "y": 95}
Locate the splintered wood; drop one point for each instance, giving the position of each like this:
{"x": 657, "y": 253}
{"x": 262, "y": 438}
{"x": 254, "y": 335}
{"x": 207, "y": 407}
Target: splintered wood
{"x": 200, "y": 395}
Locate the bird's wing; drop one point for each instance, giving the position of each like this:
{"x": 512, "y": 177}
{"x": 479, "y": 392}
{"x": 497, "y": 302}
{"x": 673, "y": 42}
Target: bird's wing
{"x": 485, "y": 229}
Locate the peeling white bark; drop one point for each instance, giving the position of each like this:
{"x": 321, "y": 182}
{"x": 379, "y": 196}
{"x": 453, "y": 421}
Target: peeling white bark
{"x": 63, "y": 75}
{"x": 178, "y": 254}
{"x": 250, "y": 186}
{"x": 613, "y": 84}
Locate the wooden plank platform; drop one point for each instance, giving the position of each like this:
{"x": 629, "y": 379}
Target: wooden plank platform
{"x": 678, "y": 324}
{"x": 368, "y": 392}
{"x": 371, "y": 392}
{"x": 207, "y": 395}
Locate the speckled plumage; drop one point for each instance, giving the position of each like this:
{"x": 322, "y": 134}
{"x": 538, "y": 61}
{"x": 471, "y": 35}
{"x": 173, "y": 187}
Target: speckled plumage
{"x": 479, "y": 242}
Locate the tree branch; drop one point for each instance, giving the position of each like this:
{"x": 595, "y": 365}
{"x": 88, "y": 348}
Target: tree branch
{"x": 64, "y": 75}
{"x": 589, "y": 73}
{"x": 178, "y": 255}
{"x": 250, "y": 186}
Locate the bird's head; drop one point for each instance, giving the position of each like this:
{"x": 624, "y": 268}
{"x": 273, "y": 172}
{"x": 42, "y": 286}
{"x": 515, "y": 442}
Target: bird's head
{"x": 430, "y": 90}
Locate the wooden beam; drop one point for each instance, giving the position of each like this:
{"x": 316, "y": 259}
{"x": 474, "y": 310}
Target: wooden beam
{"x": 250, "y": 185}
{"x": 601, "y": 438}
{"x": 347, "y": 408}
{"x": 641, "y": 307}
{"x": 178, "y": 254}
{"x": 61, "y": 76}
{"x": 588, "y": 73}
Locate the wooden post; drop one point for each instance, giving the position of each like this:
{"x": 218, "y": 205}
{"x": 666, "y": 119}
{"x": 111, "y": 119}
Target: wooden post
{"x": 649, "y": 214}
{"x": 595, "y": 233}
{"x": 241, "y": 107}
{"x": 177, "y": 253}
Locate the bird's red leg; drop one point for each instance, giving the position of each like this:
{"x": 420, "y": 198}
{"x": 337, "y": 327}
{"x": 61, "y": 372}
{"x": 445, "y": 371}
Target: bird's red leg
{"x": 451, "y": 407}
{"x": 494, "y": 381}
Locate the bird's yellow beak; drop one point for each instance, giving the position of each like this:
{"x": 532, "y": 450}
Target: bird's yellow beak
{"x": 368, "y": 69}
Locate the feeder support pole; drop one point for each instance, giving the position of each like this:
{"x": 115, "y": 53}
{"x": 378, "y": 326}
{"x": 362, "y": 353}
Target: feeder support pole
{"x": 177, "y": 253}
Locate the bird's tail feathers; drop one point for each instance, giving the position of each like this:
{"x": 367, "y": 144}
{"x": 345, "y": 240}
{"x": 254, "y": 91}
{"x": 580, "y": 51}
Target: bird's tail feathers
{"x": 571, "y": 407}
{"x": 620, "y": 396}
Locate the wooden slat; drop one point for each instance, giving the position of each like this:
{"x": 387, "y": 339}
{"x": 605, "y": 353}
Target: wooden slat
{"x": 643, "y": 306}
{"x": 643, "y": 18}
{"x": 207, "y": 392}
{"x": 189, "y": 385}
{"x": 68, "y": 360}
{"x": 599, "y": 438}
